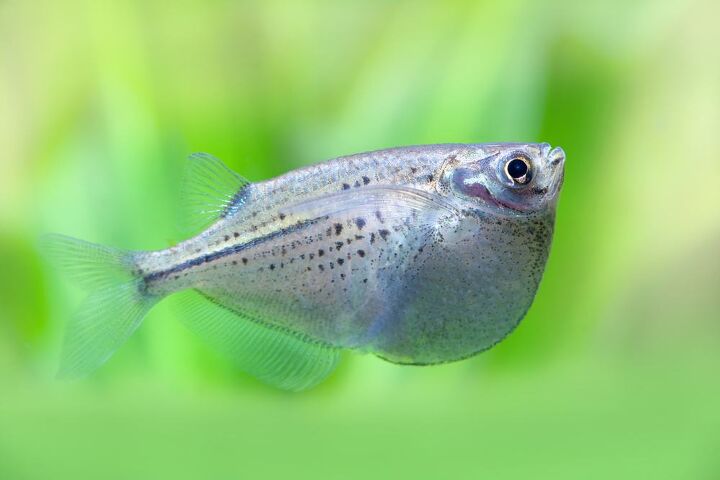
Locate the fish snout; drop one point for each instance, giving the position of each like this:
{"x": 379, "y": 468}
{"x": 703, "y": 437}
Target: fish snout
{"x": 556, "y": 162}
{"x": 556, "y": 157}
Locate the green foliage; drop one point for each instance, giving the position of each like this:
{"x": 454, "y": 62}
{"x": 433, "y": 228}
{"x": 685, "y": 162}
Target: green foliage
{"x": 613, "y": 374}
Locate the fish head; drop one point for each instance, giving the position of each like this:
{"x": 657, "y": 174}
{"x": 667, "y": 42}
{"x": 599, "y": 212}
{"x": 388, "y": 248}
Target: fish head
{"x": 516, "y": 179}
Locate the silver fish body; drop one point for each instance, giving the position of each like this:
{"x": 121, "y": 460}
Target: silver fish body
{"x": 374, "y": 252}
{"x": 420, "y": 255}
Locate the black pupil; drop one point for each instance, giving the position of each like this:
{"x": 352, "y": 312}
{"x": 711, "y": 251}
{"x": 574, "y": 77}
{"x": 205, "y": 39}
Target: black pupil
{"x": 517, "y": 168}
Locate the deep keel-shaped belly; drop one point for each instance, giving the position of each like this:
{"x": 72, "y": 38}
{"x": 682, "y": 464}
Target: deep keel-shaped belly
{"x": 467, "y": 291}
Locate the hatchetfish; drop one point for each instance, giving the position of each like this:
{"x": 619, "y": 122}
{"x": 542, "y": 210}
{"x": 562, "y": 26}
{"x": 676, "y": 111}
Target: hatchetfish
{"x": 420, "y": 255}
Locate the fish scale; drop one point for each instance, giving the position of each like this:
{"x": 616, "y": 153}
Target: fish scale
{"x": 419, "y": 255}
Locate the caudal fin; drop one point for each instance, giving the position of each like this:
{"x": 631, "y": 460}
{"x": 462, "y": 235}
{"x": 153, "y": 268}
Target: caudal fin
{"x": 111, "y": 312}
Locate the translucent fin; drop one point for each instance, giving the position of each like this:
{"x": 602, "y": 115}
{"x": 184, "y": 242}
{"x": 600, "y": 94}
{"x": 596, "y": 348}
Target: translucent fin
{"x": 90, "y": 265}
{"x": 276, "y": 357}
{"x": 393, "y": 202}
{"x": 104, "y": 321}
{"x": 210, "y": 190}
{"x": 110, "y": 313}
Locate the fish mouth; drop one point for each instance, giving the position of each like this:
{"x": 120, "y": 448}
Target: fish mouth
{"x": 556, "y": 156}
{"x": 556, "y": 159}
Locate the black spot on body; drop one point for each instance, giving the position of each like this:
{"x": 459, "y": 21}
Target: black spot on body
{"x": 244, "y": 260}
{"x": 360, "y": 222}
{"x": 339, "y": 245}
{"x": 365, "y": 180}
{"x": 321, "y": 252}
{"x": 282, "y": 216}
{"x": 357, "y": 183}
{"x": 338, "y": 228}
{"x": 272, "y": 266}
{"x": 361, "y": 253}
{"x": 384, "y": 233}
{"x": 345, "y": 186}
{"x": 340, "y": 261}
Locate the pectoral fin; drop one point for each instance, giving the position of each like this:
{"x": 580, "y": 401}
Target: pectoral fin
{"x": 392, "y": 202}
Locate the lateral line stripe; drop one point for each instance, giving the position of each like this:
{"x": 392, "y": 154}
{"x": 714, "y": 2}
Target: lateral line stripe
{"x": 231, "y": 250}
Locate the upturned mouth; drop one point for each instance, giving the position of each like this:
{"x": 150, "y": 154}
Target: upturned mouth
{"x": 556, "y": 157}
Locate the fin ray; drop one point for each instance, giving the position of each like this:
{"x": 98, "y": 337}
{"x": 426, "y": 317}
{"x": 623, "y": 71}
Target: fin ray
{"x": 210, "y": 190}
{"x": 393, "y": 201}
{"x": 110, "y": 313}
{"x": 274, "y": 356}
{"x": 104, "y": 321}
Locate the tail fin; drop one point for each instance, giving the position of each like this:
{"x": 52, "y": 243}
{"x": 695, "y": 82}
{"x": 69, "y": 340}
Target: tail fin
{"x": 110, "y": 313}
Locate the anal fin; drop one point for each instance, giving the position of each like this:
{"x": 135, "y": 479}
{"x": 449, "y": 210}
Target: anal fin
{"x": 276, "y": 357}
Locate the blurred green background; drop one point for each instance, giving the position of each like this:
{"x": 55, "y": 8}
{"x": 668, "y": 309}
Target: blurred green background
{"x": 613, "y": 374}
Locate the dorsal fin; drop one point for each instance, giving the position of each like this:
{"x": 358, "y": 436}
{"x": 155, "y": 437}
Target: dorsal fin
{"x": 275, "y": 356}
{"x": 211, "y": 190}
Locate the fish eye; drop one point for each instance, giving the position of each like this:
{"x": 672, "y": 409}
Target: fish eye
{"x": 518, "y": 170}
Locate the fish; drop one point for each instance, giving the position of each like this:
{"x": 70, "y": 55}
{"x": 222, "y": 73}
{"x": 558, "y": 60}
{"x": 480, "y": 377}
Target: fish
{"x": 420, "y": 255}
